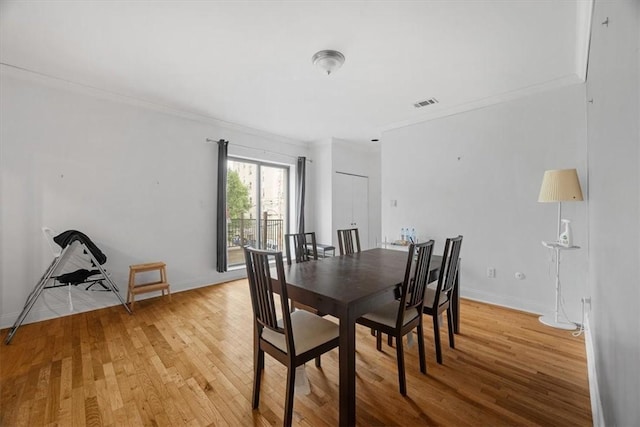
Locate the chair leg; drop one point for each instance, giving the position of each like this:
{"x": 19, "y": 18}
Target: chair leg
{"x": 390, "y": 340}
{"x": 452, "y": 344}
{"x": 401, "y": 374}
{"x": 421, "y": 352}
{"x": 379, "y": 340}
{"x": 258, "y": 365}
{"x": 436, "y": 338}
{"x": 288, "y": 403}
{"x": 318, "y": 362}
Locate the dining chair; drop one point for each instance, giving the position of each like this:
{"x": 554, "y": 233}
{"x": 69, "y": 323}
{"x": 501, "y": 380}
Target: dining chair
{"x": 349, "y": 241}
{"x": 292, "y": 339}
{"x": 402, "y": 316}
{"x": 304, "y": 247}
{"x": 438, "y": 299}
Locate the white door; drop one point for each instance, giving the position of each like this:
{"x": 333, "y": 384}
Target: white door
{"x": 351, "y": 205}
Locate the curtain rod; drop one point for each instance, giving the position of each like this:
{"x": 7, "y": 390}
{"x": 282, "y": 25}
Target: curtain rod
{"x": 352, "y": 174}
{"x": 263, "y": 150}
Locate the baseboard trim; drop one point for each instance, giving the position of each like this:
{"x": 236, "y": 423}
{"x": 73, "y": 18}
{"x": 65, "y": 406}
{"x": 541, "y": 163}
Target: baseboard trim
{"x": 594, "y": 391}
{"x": 509, "y": 302}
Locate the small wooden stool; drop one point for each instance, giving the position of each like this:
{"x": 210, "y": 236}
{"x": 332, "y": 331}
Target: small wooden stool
{"x": 160, "y": 285}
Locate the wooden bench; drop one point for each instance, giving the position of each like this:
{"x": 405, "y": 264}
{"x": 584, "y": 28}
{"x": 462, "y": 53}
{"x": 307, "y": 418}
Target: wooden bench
{"x": 323, "y": 249}
{"x": 160, "y": 285}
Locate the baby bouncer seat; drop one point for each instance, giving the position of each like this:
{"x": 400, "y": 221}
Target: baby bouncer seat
{"x": 77, "y": 260}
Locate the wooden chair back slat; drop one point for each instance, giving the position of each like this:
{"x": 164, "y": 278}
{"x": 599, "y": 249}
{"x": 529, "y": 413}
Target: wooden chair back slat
{"x": 304, "y": 247}
{"x": 420, "y": 278}
{"x": 349, "y": 241}
{"x": 448, "y": 268}
{"x": 414, "y": 285}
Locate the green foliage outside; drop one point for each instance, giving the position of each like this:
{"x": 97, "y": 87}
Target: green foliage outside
{"x": 237, "y": 196}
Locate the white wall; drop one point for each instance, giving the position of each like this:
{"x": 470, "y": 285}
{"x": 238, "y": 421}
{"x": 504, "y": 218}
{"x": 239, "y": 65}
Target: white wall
{"x": 139, "y": 180}
{"x": 320, "y": 191}
{"x": 364, "y": 160}
{"x": 614, "y": 193}
{"x": 333, "y": 155}
{"x": 478, "y": 174}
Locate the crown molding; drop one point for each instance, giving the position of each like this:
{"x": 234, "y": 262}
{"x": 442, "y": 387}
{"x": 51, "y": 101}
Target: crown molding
{"x": 97, "y": 92}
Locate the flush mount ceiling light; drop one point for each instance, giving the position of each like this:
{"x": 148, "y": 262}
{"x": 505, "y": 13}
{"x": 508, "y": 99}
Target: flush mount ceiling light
{"x": 328, "y": 60}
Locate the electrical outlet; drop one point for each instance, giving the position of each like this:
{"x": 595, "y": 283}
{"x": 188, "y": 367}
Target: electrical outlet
{"x": 491, "y": 272}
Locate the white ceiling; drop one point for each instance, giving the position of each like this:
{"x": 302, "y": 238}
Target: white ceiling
{"x": 249, "y": 62}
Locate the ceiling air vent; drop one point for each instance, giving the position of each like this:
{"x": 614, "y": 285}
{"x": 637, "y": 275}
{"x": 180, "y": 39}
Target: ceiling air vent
{"x": 425, "y": 103}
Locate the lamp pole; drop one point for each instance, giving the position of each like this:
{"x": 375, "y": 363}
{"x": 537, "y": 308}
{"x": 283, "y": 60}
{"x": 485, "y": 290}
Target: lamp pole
{"x": 559, "y": 219}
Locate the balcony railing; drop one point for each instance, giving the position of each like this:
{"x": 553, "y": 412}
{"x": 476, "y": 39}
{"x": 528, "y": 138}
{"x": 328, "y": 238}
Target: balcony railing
{"x": 242, "y": 232}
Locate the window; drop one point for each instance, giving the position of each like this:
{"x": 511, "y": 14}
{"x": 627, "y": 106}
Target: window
{"x": 257, "y": 207}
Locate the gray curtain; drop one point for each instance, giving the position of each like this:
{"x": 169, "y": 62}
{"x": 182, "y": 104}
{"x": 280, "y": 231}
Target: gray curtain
{"x": 300, "y": 189}
{"x": 221, "y": 224}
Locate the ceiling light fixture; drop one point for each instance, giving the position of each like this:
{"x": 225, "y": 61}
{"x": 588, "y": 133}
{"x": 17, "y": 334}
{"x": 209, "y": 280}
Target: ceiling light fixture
{"x": 328, "y": 60}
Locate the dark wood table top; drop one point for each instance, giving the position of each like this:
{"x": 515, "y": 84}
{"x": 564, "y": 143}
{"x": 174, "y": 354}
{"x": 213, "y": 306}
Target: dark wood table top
{"x": 337, "y": 282}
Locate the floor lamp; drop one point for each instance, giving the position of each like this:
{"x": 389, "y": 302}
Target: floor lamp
{"x": 560, "y": 185}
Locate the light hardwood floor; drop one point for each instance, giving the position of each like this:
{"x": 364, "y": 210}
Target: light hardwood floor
{"x": 189, "y": 362}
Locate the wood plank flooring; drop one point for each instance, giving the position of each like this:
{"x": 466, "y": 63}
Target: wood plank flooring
{"x": 189, "y": 362}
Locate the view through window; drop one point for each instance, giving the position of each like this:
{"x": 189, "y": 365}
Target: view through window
{"x": 257, "y": 207}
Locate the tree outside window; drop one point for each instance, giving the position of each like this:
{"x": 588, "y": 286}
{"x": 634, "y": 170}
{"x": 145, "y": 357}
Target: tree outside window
{"x": 238, "y": 202}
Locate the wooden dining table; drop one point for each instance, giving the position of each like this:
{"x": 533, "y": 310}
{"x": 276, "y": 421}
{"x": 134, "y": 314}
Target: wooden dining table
{"x": 347, "y": 287}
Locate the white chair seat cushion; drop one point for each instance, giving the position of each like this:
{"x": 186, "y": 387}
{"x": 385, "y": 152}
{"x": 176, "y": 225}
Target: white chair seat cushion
{"x": 388, "y": 315}
{"x": 430, "y": 295}
{"x": 309, "y": 331}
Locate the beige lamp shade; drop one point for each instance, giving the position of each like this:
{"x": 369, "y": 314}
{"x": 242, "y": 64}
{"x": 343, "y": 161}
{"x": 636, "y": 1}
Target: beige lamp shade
{"x": 560, "y": 185}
